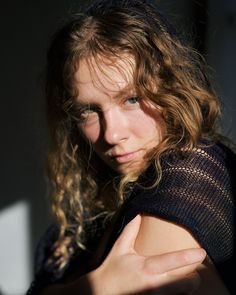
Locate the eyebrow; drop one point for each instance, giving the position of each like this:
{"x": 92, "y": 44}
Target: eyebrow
{"x": 127, "y": 89}
{"x": 119, "y": 95}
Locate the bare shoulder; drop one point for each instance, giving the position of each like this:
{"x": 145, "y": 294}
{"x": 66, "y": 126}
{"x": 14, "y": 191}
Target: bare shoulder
{"x": 157, "y": 236}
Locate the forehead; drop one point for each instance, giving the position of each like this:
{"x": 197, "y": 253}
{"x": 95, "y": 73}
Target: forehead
{"x": 106, "y": 74}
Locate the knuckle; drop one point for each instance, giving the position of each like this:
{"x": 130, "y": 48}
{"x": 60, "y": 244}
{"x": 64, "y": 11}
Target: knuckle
{"x": 183, "y": 259}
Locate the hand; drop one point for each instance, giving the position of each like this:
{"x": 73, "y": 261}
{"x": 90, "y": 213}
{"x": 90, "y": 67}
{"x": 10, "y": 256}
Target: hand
{"x": 126, "y": 272}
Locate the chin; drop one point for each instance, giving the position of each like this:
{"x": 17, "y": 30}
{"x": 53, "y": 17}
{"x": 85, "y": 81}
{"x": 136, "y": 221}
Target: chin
{"x": 134, "y": 169}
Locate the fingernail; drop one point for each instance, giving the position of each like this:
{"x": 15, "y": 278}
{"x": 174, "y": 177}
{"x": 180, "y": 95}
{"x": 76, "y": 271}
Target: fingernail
{"x": 196, "y": 255}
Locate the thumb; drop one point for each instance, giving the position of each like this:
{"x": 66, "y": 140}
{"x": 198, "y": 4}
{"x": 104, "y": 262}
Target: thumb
{"x": 125, "y": 243}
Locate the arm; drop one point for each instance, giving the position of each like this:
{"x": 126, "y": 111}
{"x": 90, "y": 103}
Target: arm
{"x": 157, "y": 236}
{"x": 119, "y": 272}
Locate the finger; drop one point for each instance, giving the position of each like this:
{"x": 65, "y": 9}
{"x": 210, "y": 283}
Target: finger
{"x": 175, "y": 260}
{"x": 125, "y": 242}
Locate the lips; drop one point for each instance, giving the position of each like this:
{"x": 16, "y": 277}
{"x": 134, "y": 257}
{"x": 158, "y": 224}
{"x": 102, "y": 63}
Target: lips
{"x": 125, "y": 158}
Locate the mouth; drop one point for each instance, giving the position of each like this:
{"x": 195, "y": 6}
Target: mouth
{"x": 126, "y": 157}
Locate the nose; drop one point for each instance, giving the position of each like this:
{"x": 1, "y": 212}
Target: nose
{"x": 115, "y": 126}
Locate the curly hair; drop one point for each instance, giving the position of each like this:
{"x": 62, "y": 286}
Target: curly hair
{"x": 167, "y": 72}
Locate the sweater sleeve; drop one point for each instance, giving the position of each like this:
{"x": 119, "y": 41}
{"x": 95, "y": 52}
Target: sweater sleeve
{"x": 46, "y": 270}
{"x": 43, "y": 274}
{"x": 46, "y": 262}
{"x": 196, "y": 191}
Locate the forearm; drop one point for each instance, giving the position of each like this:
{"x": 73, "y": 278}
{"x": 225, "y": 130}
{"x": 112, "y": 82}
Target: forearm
{"x": 125, "y": 272}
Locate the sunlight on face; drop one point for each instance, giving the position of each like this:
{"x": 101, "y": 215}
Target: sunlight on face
{"x": 120, "y": 125}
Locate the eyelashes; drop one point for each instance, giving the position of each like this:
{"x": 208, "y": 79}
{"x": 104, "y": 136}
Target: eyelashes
{"x": 92, "y": 113}
{"x": 83, "y": 113}
{"x": 133, "y": 100}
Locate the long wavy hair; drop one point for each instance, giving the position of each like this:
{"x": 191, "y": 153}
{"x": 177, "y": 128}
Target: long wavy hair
{"x": 167, "y": 72}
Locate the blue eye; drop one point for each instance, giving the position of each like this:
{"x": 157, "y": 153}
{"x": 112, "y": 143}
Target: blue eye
{"x": 133, "y": 100}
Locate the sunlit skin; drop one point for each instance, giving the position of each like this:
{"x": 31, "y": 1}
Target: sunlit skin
{"x": 121, "y": 126}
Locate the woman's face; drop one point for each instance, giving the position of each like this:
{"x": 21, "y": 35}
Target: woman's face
{"x": 121, "y": 126}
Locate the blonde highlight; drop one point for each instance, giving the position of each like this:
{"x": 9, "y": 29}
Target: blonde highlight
{"x": 167, "y": 73}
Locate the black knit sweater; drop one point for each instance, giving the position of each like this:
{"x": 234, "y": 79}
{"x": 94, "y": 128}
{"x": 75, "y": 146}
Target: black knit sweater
{"x": 198, "y": 192}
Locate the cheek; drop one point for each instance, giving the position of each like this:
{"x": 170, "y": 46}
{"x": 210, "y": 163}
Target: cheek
{"x": 148, "y": 126}
{"x": 91, "y": 133}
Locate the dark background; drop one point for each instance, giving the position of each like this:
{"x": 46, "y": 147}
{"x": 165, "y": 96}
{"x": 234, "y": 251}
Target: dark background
{"x": 25, "y": 31}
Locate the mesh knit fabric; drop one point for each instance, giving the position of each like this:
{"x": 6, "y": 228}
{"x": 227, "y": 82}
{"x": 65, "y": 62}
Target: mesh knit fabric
{"x": 197, "y": 192}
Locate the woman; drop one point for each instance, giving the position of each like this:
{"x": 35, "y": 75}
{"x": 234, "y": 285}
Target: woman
{"x": 133, "y": 122}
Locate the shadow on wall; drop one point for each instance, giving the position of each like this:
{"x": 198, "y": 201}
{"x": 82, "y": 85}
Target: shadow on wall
{"x": 25, "y": 34}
